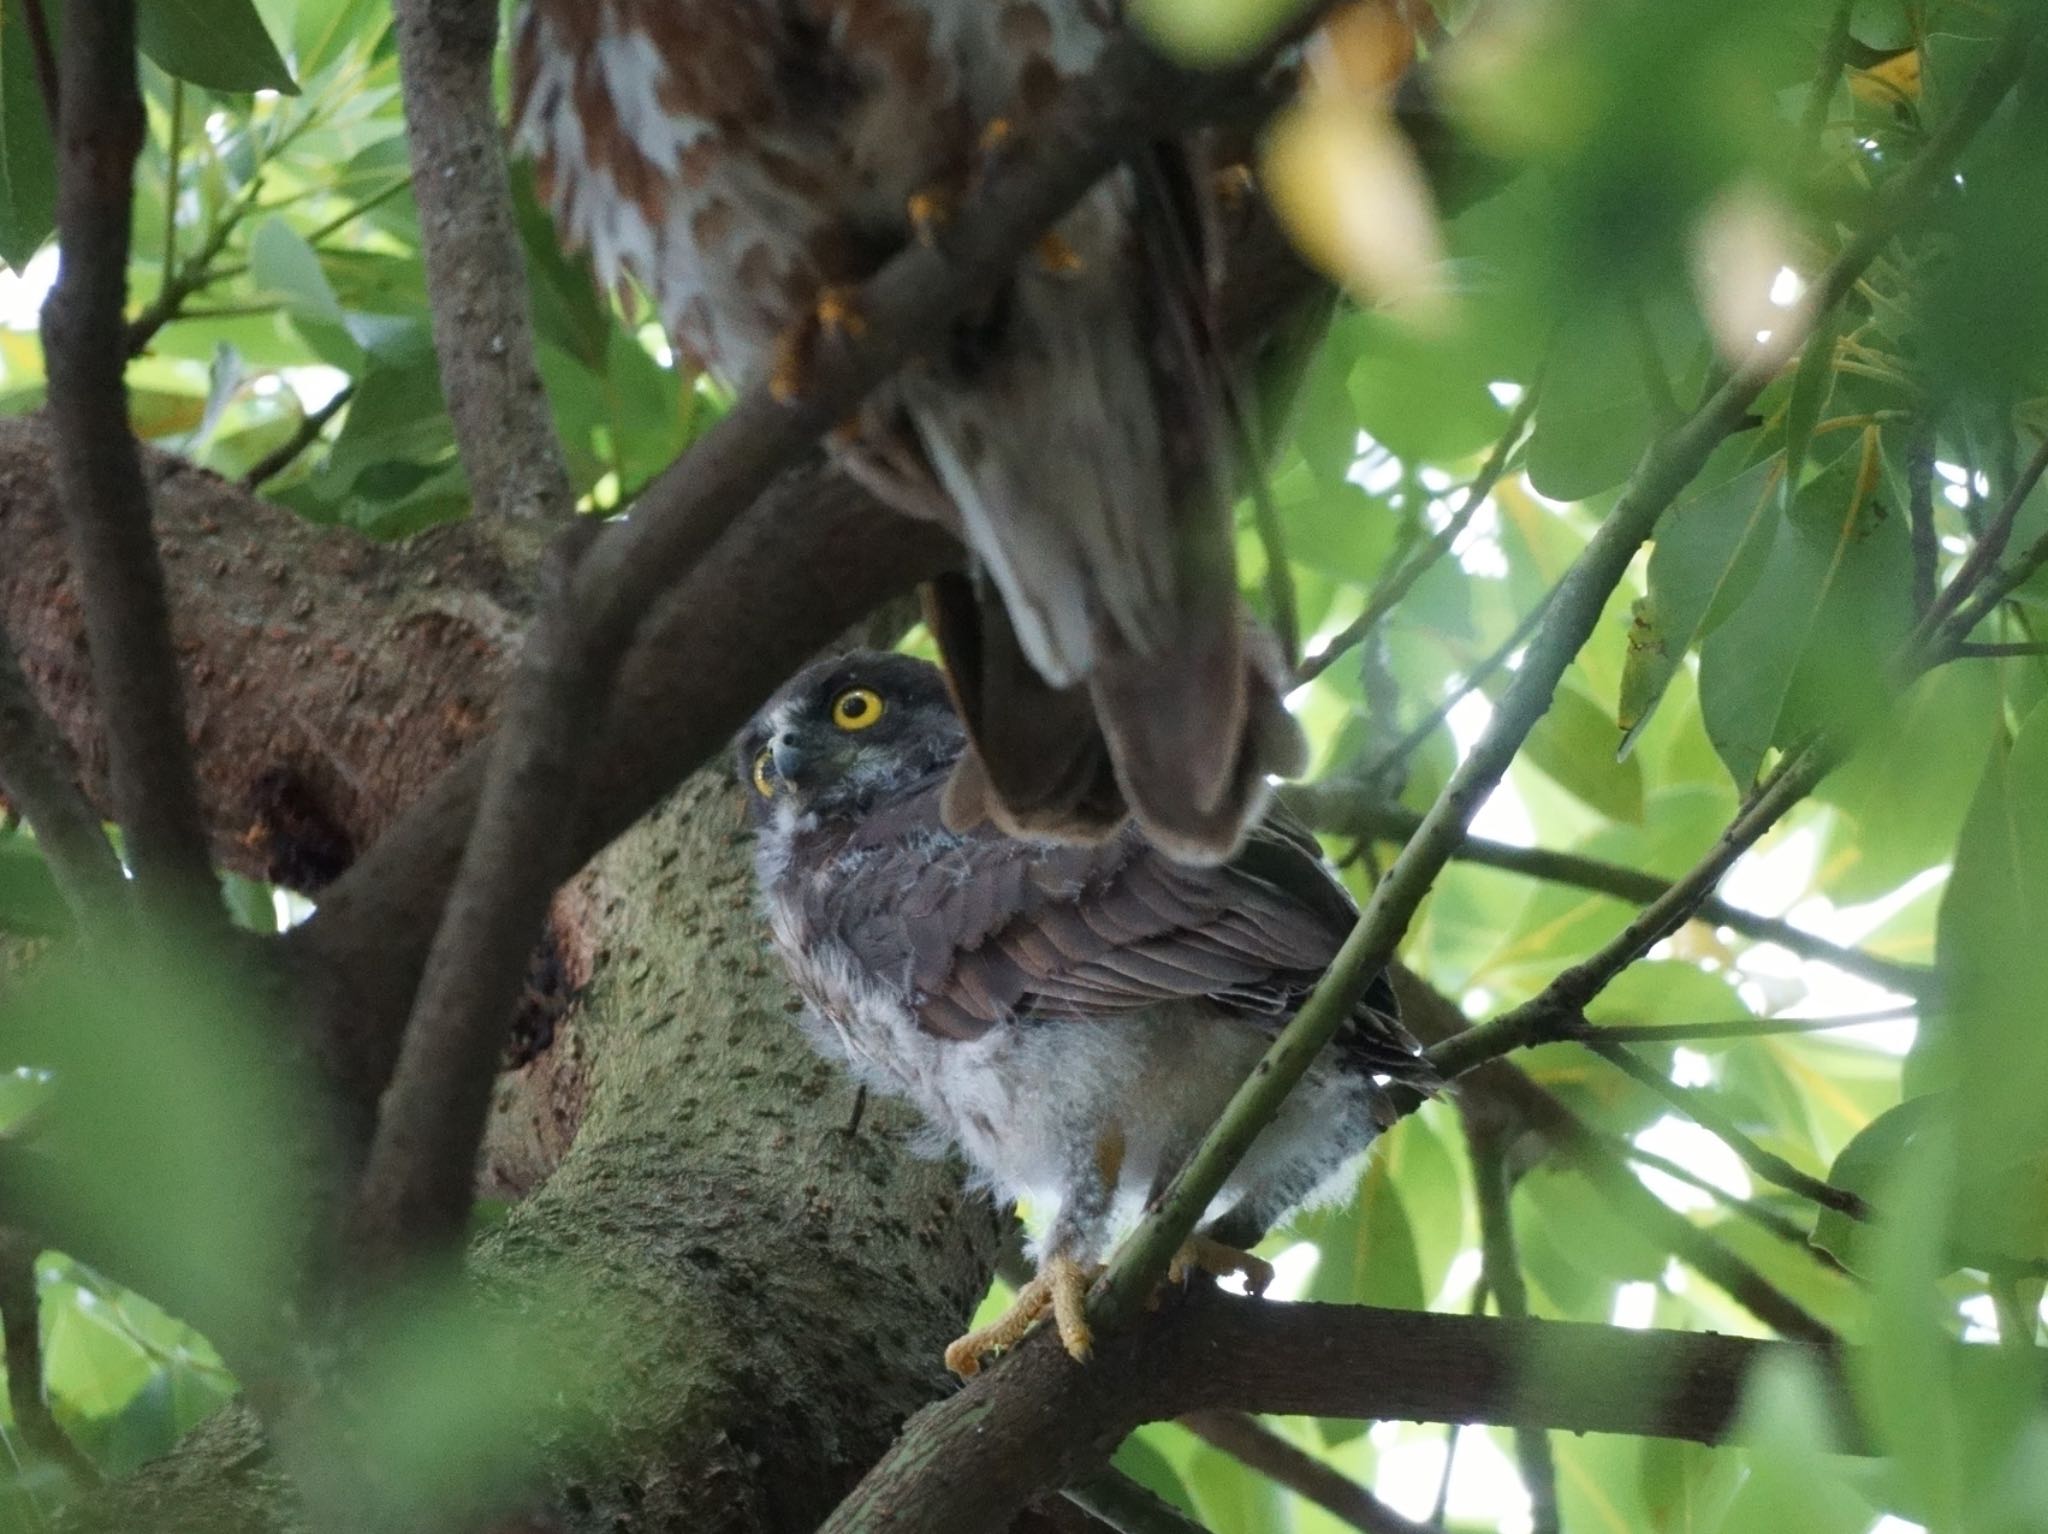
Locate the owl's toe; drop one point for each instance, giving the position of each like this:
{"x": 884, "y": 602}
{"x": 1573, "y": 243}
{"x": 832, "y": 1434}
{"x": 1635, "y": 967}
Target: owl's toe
{"x": 1205, "y": 1254}
{"x": 1061, "y": 1287}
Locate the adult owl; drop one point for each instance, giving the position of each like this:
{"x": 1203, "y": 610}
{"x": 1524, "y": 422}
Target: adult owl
{"x": 746, "y": 161}
{"x": 1073, "y": 1018}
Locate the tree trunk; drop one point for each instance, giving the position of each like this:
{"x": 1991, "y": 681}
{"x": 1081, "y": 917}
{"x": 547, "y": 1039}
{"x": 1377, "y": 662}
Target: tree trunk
{"x": 783, "y": 1283}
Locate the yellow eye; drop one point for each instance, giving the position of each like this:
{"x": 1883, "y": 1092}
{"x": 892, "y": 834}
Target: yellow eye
{"x": 764, "y": 785}
{"x": 856, "y": 708}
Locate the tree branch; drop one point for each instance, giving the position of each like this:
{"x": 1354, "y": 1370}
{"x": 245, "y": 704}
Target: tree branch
{"x": 1120, "y": 1502}
{"x": 699, "y": 561}
{"x": 1252, "y": 1443}
{"x": 1990, "y": 546}
{"x": 1559, "y": 1007}
{"x": 1341, "y": 809}
{"x": 1702, "y": 1111}
{"x": 1043, "y": 1416}
{"x": 99, "y": 472}
{"x": 1387, "y": 596}
{"x": 1501, "y": 1269}
{"x": 476, "y": 275}
{"x": 418, "y": 1187}
{"x": 35, "y": 771}
{"x": 286, "y": 453}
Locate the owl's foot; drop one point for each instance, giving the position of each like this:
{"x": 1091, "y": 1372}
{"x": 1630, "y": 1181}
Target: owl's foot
{"x": 1233, "y": 186}
{"x": 1061, "y": 1286}
{"x": 836, "y": 313}
{"x": 929, "y": 211}
{"x": 1056, "y": 256}
{"x": 1205, "y": 1254}
{"x": 1000, "y": 131}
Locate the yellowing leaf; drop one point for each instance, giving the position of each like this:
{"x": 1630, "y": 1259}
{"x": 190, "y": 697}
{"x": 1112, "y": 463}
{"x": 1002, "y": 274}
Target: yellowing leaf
{"x": 1347, "y": 187}
{"x": 1893, "y": 83}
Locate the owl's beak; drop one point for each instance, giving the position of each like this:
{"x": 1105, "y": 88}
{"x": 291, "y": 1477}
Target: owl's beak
{"x": 790, "y": 759}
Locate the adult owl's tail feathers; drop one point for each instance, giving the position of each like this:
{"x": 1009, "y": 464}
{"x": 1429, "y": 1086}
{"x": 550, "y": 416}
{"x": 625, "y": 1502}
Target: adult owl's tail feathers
{"x": 1184, "y": 739}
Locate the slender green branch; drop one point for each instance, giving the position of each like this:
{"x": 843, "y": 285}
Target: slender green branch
{"x": 349, "y": 215}
{"x": 1387, "y": 595}
{"x": 1732, "y": 1030}
{"x": 1834, "y": 54}
{"x": 1670, "y": 465}
{"x": 1759, "y": 1214}
{"x": 174, "y": 151}
{"x": 1703, "y": 1111}
{"x": 1557, "y": 1011}
{"x": 1386, "y": 762}
{"x": 1920, "y": 511}
{"x": 1344, "y": 811}
{"x": 1976, "y": 573}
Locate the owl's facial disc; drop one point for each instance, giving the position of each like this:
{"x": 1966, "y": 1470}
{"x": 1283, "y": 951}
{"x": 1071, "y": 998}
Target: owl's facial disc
{"x": 845, "y": 730}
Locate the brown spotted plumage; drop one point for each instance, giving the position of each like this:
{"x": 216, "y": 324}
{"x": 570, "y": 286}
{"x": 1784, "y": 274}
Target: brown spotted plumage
{"x": 741, "y": 159}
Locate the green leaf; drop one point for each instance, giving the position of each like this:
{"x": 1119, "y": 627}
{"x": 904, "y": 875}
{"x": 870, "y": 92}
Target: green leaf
{"x": 1864, "y": 1166}
{"x": 1595, "y": 417}
{"x": 1807, "y": 648}
{"x": 28, "y": 157}
{"x": 1574, "y": 743}
{"x": 30, "y": 903}
{"x": 220, "y": 44}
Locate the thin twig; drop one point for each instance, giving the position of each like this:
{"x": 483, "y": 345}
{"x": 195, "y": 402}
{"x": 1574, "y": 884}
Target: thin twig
{"x": 195, "y": 274}
{"x": 1834, "y": 54}
{"x": 1341, "y": 810}
{"x": 35, "y": 770}
{"x": 1920, "y": 511}
{"x": 1555, "y": 1012}
{"x": 2017, "y": 648}
{"x": 1666, "y": 469}
{"x": 1383, "y": 765}
{"x": 1501, "y": 1264}
{"x": 1703, "y": 1111}
{"x": 99, "y": 471}
{"x": 1984, "y": 556}
{"x": 1127, "y": 1507}
{"x": 286, "y": 453}
{"x": 1759, "y": 1214}
{"x": 1249, "y": 1441}
{"x": 1735, "y": 1028}
{"x": 476, "y": 272}
{"x": 1434, "y": 1019}
{"x": 1387, "y": 595}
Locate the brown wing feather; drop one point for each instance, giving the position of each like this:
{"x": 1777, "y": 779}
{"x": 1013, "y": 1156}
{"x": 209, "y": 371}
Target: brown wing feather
{"x": 995, "y": 929}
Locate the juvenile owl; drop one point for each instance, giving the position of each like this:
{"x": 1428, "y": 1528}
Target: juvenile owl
{"x": 1073, "y": 1018}
{"x": 748, "y": 161}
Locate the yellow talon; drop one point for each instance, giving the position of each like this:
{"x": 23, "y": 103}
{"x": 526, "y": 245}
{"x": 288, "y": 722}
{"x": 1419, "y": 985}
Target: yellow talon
{"x": 1201, "y": 1254}
{"x": 839, "y": 313}
{"x": 1233, "y": 186}
{"x": 930, "y": 211}
{"x": 1057, "y": 256}
{"x": 996, "y": 134}
{"x": 1061, "y": 1286}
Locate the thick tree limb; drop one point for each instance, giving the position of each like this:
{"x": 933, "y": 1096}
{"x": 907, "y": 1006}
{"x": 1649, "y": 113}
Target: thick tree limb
{"x": 1342, "y": 810}
{"x": 1043, "y": 1417}
{"x": 419, "y": 1185}
{"x": 476, "y": 275}
{"x": 1252, "y": 1443}
{"x": 99, "y": 472}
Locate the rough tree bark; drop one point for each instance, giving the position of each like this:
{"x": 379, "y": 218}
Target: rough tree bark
{"x": 788, "y": 1287}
